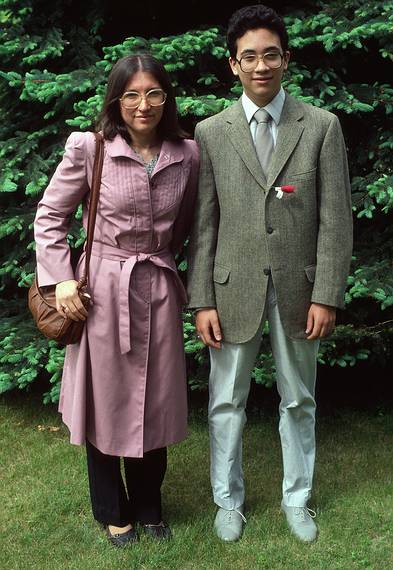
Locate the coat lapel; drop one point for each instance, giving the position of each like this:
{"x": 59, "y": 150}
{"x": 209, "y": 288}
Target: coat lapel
{"x": 238, "y": 132}
{"x": 289, "y": 132}
{"x": 118, "y": 147}
{"x": 171, "y": 152}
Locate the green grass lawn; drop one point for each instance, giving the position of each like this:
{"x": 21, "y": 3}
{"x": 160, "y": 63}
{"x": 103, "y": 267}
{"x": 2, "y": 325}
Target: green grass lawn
{"x": 45, "y": 518}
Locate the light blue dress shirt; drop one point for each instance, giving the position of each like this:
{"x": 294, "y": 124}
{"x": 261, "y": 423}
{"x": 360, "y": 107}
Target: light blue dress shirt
{"x": 274, "y": 108}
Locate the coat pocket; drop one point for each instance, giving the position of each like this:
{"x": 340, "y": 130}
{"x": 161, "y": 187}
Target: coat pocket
{"x": 301, "y": 175}
{"x": 167, "y": 186}
{"x": 310, "y": 272}
{"x": 220, "y": 274}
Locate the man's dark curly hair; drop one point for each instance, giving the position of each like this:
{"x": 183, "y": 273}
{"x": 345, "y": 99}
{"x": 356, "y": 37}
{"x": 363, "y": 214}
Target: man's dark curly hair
{"x": 252, "y": 18}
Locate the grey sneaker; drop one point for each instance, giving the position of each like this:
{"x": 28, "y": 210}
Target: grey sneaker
{"x": 229, "y": 524}
{"x": 300, "y": 521}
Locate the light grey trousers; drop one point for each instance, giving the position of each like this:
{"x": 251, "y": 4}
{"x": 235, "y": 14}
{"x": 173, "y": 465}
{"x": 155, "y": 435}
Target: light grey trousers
{"x": 229, "y": 385}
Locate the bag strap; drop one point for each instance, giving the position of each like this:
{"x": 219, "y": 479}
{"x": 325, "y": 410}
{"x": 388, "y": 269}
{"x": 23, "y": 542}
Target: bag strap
{"x": 94, "y": 196}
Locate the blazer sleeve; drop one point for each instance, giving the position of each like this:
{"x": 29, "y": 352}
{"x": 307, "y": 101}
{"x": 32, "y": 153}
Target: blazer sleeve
{"x": 334, "y": 245}
{"x": 183, "y": 221}
{"x": 203, "y": 238}
{"x": 65, "y": 191}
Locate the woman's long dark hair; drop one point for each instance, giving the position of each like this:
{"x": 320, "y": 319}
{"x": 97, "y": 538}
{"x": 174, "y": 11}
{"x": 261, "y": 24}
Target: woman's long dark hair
{"x": 110, "y": 120}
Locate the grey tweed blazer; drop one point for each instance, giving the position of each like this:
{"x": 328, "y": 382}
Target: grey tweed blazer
{"x": 243, "y": 232}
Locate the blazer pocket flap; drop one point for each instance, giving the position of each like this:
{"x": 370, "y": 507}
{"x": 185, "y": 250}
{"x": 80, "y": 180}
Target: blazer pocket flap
{"x": 220, "y": 274}
{"x": 306, "y": 174}
{"x": 310, "y": 272}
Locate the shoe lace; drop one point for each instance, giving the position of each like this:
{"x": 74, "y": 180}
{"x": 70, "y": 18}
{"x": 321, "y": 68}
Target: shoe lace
{"x": 229, "y": 515}
{"x": 304, "y": 512}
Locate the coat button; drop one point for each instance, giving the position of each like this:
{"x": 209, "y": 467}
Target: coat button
{"x": 267, "y": 271}
{"x": 270, "y": 230}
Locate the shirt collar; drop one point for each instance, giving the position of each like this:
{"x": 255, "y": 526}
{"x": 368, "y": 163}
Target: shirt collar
{"x": 170, "y": 151}
{"x": 274, "y": 108}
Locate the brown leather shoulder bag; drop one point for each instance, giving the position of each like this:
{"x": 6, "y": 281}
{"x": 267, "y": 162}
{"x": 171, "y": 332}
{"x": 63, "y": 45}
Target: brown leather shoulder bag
{"x": 42, "y": 300}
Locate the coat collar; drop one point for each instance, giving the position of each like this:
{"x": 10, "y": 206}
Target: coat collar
{"x": 239, "y": 134}
{"x": 170, "y": 151}
{"x": 289, "y": 132}
{"x": 274, "y": 108}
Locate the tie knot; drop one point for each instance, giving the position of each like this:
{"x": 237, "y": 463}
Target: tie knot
{"x": 262, "y": 116}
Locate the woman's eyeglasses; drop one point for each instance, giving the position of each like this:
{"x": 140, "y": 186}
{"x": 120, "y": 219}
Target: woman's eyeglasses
{"x": 132, "y": 99}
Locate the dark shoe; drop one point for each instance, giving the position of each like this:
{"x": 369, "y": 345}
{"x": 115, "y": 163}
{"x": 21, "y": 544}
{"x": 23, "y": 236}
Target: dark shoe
{"x": 122, "y": 539}
{"x": 160, "y": 531}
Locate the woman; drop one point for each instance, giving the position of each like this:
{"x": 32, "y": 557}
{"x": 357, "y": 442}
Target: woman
{"x": 124, "y": 386}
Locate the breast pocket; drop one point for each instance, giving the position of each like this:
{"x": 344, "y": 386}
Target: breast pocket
{"x": 306, "y": 174}
{"x": 303, "y": 187}
{"x": 299, "y": 176}
{"x": 167, "y": 187}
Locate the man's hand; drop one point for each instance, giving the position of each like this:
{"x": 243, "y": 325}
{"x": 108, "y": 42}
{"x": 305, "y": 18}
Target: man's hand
{"x": 321, "y": 320}
{"x": 208, "y": 327}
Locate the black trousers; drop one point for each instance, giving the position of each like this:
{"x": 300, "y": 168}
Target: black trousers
{"x": 139, "y": 500}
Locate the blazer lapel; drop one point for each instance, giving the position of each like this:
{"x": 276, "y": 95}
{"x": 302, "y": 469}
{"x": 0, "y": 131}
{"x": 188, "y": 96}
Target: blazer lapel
{"x": 171, "y": 152}
{"x": 238, "y": 132}
{"x": 289, "y": 132}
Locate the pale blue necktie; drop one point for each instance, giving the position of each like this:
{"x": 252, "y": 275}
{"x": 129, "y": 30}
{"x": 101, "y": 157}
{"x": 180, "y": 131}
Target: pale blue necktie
{"x": 264, "y": 143}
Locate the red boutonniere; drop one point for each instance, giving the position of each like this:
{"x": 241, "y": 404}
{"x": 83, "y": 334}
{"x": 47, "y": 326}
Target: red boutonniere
{"x": 281, "y": 189}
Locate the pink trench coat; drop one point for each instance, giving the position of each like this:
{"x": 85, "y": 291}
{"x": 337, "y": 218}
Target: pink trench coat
{"x": 124, "y": 383}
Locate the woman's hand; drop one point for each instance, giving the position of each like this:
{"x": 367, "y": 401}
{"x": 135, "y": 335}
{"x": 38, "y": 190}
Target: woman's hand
{"x": 68, "y": 302}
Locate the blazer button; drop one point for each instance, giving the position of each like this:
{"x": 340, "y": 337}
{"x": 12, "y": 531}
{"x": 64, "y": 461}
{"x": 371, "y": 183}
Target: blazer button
{"x": 270, "y": 230}
{"x": 267, "y": 271}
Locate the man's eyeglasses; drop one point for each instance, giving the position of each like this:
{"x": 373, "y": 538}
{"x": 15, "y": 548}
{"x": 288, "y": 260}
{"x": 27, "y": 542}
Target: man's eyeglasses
{"x": 249, "y": 62}
{"x": 132, "y": 99}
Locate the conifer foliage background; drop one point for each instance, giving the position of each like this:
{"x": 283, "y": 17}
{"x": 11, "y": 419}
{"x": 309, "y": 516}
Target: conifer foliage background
{"x": 53, "y": 67}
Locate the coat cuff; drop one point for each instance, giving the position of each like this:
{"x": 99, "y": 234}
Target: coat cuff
{"x": 46, "y": 278}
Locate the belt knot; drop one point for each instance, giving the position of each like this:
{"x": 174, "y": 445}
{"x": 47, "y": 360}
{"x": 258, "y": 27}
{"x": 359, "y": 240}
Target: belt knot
{"x": 143, "y": 257}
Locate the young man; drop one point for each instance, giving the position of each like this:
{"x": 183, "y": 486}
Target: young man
{"x": 272, "y": 239}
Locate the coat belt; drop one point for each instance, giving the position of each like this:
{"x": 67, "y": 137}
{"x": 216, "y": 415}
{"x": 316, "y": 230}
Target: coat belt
{"x": 162, "y": 258}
